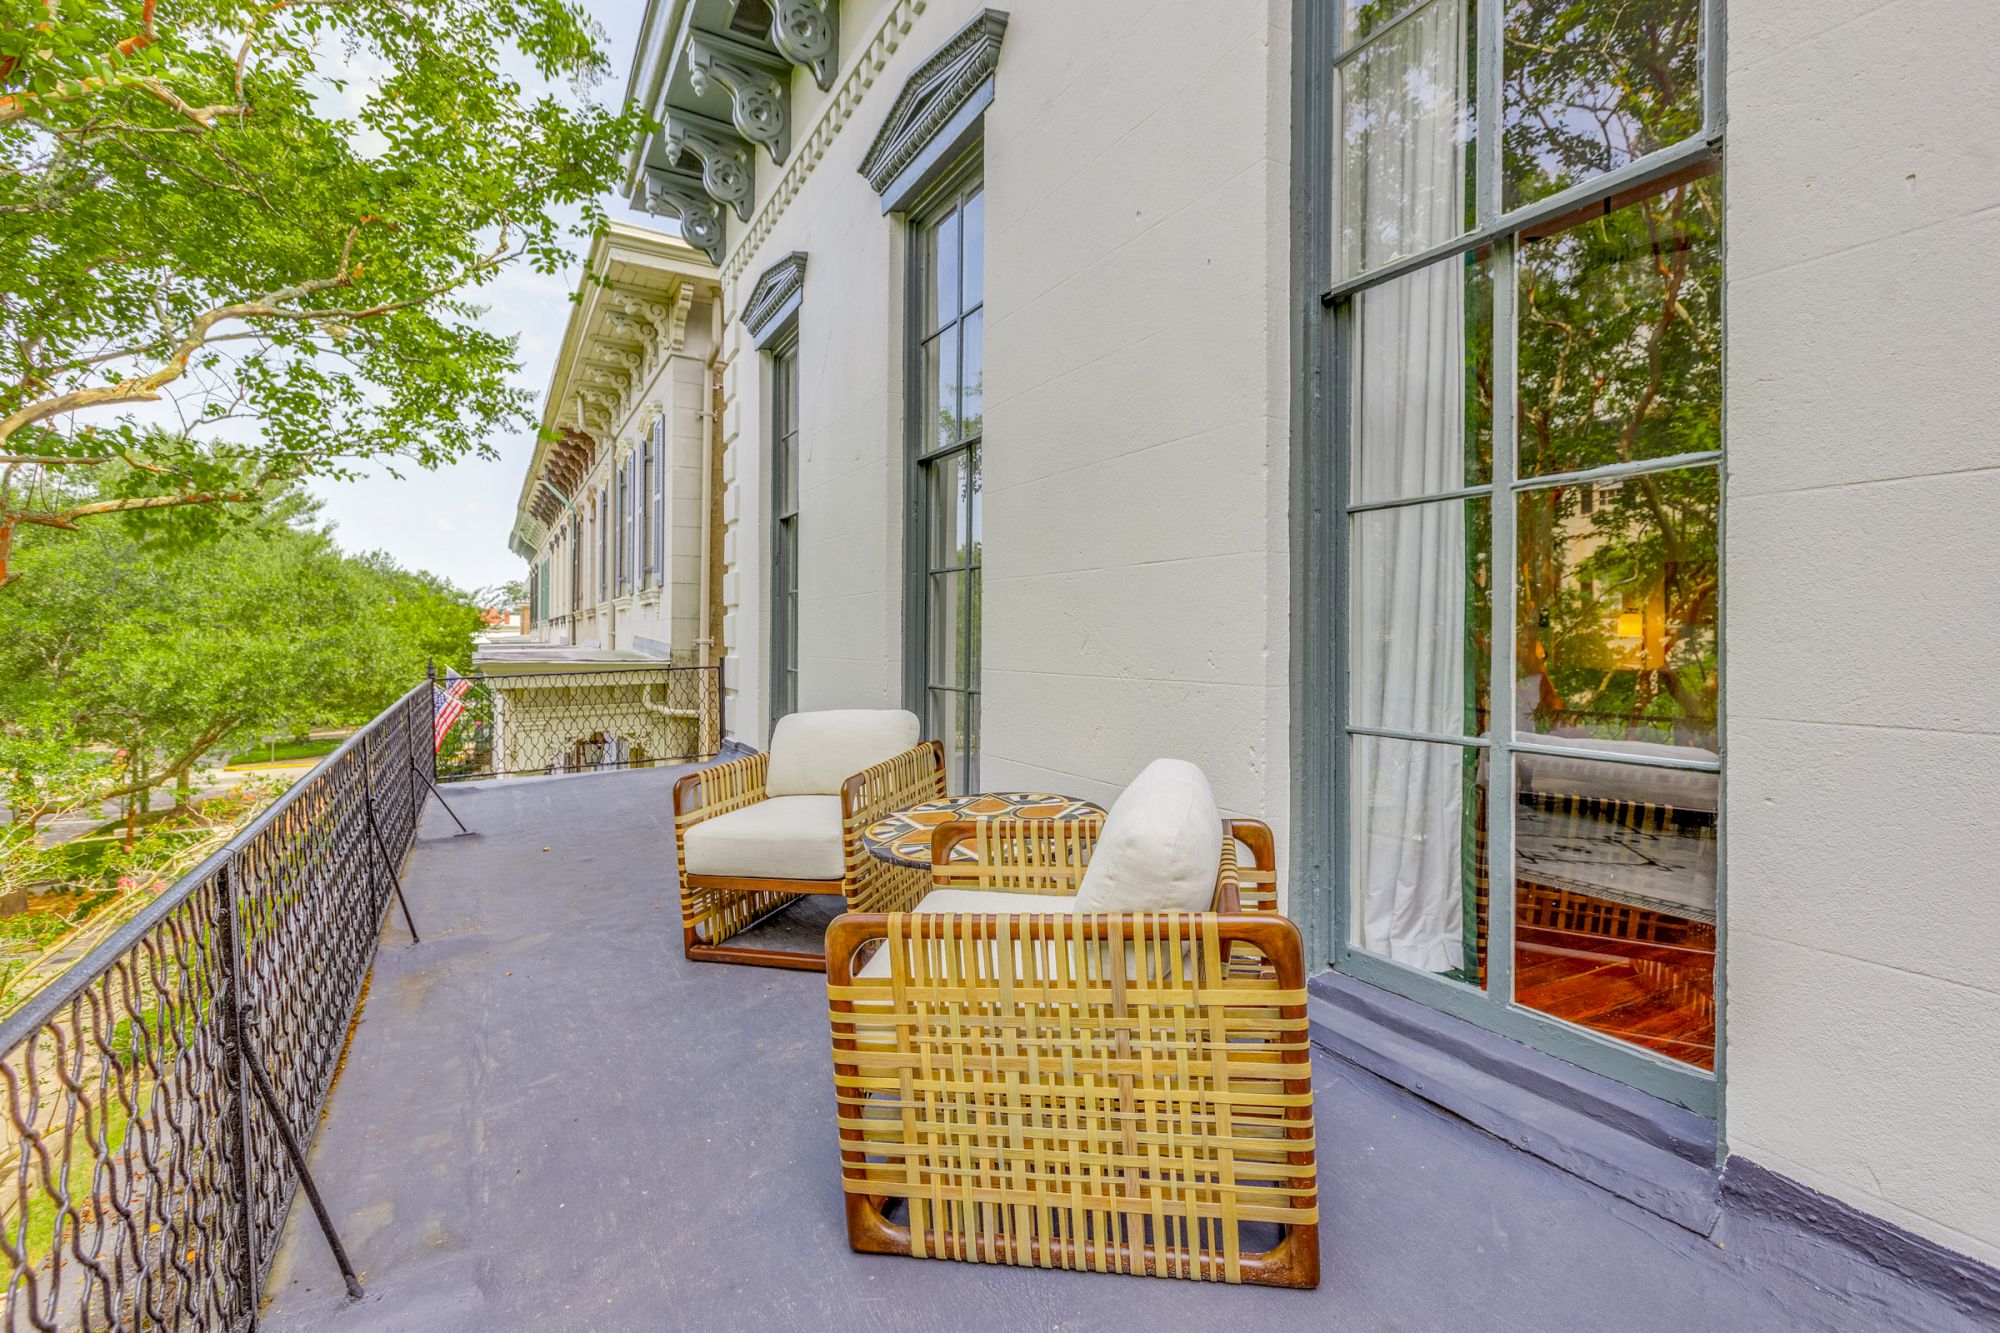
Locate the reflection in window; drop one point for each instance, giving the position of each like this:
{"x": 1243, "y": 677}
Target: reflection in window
{"x": 785, "y": 531}
{"x": 1614, "y": 597}
{"x": 1620, "y": 315}
{"x": 1591, "y": 87}
{"x": 949, "y": 437}
{"x": 1405, "y": 118}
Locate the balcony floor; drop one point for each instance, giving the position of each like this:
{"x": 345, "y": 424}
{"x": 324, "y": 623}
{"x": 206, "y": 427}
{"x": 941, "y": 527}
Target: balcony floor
{"x": 548, "y": 1118}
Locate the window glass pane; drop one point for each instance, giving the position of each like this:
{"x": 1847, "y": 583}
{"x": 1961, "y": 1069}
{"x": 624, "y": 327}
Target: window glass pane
{"x": 941, "y": 303}
{"x": 789, "y": 463}
{"x": 1621, "y": 335}
{"x": 941, "y": 389}
{"x": 947, "y": 630}
{"x": 1420, "y": 592}
{"x": 1423, "y": 382}
{"x": 975, "y": 249}
{"x": 950, "y": 519}
{"x": 969, "y": 779}
{"x": 1590, "y": 87}
{"x": 972, "y": 339}
{"x": 974, "y": 505}
{"x": 1417, "y": 849}
{"x": 1617, "y": 617}
{"x": 971, "y": 611}
{"x": 947, "y": 724}
{"x": 1404, "y": 112}
{"x": 1361, "y": 18}
{"x": 1614, "y": 915}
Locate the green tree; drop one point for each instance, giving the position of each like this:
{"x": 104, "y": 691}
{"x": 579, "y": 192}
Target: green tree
{"x": 154, "y": 655}
{"x": 216, "y": 208}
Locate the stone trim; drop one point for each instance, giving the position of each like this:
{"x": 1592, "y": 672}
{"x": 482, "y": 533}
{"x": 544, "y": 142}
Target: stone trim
{"x": 776, "y": 296}
{"x": 941, "y": 87}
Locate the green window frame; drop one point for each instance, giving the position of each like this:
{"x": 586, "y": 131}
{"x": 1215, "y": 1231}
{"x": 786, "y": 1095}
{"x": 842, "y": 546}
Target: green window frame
{"x": 946, "y": 344}
{"x": 1509, "y": 211}
{"x": 784, "y": 601}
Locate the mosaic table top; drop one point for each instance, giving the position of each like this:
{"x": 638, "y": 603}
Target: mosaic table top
{"x": 905, "y": 837}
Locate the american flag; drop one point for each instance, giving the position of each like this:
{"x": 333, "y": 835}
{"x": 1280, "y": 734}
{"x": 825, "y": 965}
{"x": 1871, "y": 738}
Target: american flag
{"x": 447, "y": 702}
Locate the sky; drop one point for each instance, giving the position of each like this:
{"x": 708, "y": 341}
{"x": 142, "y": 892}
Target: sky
{"x": 454, "y": 521}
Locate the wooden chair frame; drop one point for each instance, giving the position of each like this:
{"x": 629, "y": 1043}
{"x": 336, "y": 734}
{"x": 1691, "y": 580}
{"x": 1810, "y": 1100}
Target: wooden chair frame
{"x": 716, "y": 907}
{"x": 1119, "y": 1093}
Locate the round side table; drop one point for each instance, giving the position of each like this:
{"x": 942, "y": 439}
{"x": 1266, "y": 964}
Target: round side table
{"x": 904, "y": 838}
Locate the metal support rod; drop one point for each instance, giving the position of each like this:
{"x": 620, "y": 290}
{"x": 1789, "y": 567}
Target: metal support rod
{"x": 298, "y": 1156}
{"x": 233, "y": 1047}
{"x": 375, "y": 830}
{"x": 425, "y": 778}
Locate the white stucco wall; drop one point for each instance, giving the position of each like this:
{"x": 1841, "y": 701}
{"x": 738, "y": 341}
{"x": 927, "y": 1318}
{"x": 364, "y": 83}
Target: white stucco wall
{"x": 1135, "y": 481}
{"x": 1863, "y": 913}
{"x": 1135, "y": 467}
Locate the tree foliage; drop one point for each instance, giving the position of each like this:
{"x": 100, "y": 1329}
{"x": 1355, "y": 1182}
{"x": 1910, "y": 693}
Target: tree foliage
{"x": 267, "y": 218}
{"x": 128, "y": 660}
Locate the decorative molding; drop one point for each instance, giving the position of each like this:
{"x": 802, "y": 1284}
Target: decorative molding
{"x": 681, "y": 194}
{"x": 675, "y": 330}
{"x": 835, "y": 112}
{"x": 759, "y": 88}
{"x": 728, "y": 163}
{"x": 644, "y": 320}
{"x": 940, "y": 88}
{"x": 776, "y": 295}
{"x": 807, "y": 32}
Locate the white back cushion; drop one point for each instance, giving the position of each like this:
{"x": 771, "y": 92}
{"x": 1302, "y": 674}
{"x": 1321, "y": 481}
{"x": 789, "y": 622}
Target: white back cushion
{"x": 1161, "y": 845}
{"x": 813, "y": 753}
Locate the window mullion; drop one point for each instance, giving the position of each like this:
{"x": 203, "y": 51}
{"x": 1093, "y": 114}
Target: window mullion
{"x": 1501, "y": 667}
{"x": 1491, "y": 21}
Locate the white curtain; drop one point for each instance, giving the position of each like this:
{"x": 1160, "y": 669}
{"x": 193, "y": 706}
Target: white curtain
{"x": 1402, "y": 172}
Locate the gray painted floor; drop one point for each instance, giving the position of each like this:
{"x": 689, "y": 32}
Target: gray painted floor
{"x": 550, "y": 1119}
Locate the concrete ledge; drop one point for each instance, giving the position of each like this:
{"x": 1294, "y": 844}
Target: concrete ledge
{"x": 1644, "y": 1150}
{"x": 1896, "y": 1279}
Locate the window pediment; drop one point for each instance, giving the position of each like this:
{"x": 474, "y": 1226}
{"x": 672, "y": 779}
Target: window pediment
{"x": 958, "y": 76}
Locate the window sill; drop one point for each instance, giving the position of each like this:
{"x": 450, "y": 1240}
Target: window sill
{"x": 1648, "y": 1151}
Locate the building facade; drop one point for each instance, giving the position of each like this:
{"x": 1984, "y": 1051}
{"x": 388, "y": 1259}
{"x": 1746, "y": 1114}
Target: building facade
{"x": 615, "y": 523}
{"x": 613, "y": 514}
{"x": 1447, "y": 423}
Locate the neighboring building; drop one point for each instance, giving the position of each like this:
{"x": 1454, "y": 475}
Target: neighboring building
{"x": 615, "y": 523}
{"x": 1297, "y": 389}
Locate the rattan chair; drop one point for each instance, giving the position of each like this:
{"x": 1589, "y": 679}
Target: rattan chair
{"x": 1124, "y": 1093}
{"x": 717, "y": 907}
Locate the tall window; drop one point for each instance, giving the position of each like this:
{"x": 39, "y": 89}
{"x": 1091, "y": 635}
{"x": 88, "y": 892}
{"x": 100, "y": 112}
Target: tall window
{"x": 623, "y": 531}
{"x": 660, "y": 502}
{"x": 785, "y": 530}
{"x": 647, "y": 554}
{"x": 948, "y": 327}
{"x": 1525, "y": 318}
{"x": 575, "y": 551}
{"x": 604, "y": 541}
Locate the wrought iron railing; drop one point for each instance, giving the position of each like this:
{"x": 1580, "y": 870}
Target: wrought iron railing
{"x": 157, "y": 1095}
{"x": 528, "y": 723}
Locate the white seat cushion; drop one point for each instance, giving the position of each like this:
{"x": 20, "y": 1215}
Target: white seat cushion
{"x": 812, "y": 754}
{"x": 977, "y": 902}
{"x": 783, "y": 837}
{"x": 1161, "y": 847}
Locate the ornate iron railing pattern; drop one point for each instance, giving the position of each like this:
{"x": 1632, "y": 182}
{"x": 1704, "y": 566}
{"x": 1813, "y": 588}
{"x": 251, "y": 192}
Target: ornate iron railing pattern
{"x": 146, "y": 1178}
{"x": 521, "y": 724}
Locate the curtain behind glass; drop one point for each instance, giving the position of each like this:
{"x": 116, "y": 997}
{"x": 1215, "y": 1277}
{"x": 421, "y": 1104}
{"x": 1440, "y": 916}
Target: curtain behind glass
{"x": 1402, "y": 174}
